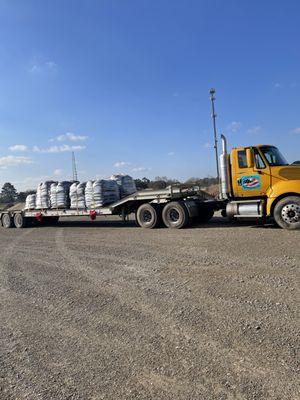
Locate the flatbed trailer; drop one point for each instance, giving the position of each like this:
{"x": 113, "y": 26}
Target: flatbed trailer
{"x": 175, "y": 207}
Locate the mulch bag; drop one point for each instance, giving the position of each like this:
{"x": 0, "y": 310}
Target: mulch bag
{"x": 30, "y": 203}
{"x": 43, "y": 195}
{"x": 126, "y": 184}
{"x": 89, "y": 195}
{"x": 100, "y": 193}
{"x": 77, "y": 195}
{"x": 60, "y": 195}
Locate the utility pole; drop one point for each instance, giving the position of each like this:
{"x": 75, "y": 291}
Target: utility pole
{"x": 74, "y": 168}
{"x": 214, "y": 115}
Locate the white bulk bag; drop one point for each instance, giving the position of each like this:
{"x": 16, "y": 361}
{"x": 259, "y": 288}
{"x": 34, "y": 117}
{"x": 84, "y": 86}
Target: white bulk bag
{"x": 77, "y": 195}
{"x": 126, "y": 184}
{"x": 100, "y": 193}
{"x": 59, "y": 195}
{"x": 30, "y": 203}
{"x": 43, "y": 195}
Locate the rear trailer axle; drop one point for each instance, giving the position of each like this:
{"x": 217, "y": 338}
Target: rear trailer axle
{"x": 19, "y": 220}
{"x": 175, "y": 215}
{"x": 7, "y": 221}
{"x": 148, "y": 216}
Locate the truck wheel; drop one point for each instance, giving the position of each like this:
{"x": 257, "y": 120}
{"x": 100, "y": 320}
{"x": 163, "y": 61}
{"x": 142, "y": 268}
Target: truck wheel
{"x": 175, "y": 215}
{"x": 147, "y": 216}
{"x": 205, "y": 215}
{"x": 19, "y": 221}
{"x": 287, "y": 213}
{"x": 7, "y": 221}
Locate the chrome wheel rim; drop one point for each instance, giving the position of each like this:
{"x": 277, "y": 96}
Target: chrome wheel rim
{"x": 174, "y": 215}
{"x": 291, "y": 213}
{"x": 147, "y": 216}
{"x": 6, "y": 221}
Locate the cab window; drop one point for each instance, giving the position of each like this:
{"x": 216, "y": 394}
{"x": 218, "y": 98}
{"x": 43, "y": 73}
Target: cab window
{"x": 242, "y": 159}
{"x": 273, "y": 156}
{"x": 259, "y": 162}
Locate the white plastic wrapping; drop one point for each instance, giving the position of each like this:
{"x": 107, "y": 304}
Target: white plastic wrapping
{"x": 30, "y": 203}
{"x": 43, "y": 195}
{"x": 100, "y": 193}
{"x": 60, "y": 195}
{"x": 90, "y": 195}
{"x": 77, "y": 195}
{"x": 126, "y": 184}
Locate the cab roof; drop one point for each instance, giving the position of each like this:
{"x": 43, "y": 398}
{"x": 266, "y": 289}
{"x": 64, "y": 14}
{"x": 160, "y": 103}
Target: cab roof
{"x": 255, "y": 145}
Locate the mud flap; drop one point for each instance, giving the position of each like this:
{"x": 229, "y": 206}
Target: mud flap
{"x": 192, "y": 207}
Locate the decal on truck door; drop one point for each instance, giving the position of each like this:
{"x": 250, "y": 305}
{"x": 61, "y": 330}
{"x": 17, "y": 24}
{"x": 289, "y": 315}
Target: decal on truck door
{"x": 251, "y": 182}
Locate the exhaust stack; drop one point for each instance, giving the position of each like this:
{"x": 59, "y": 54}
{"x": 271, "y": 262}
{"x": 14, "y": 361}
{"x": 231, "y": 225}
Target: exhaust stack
{"x": 224, "y": 170}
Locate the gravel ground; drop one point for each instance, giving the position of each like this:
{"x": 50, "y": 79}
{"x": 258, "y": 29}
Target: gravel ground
{"x": 107, "y": 311}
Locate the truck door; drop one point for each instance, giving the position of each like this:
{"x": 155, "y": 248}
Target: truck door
{"x": 251, "y": 181}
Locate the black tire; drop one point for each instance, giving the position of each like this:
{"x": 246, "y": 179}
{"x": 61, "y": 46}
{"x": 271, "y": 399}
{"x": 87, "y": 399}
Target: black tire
{"x": 7, "y": 221}
{"x": 287, "y": 213}
{"x": 175, "y": 215}
{"x": 205, "y": 215}
{"x": 19, "y": 221}
{"x": 148, "y": 216}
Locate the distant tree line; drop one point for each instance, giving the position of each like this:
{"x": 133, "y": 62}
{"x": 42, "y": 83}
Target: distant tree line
{"x": 9, "y": 194}
{"x": 161, "y": 182}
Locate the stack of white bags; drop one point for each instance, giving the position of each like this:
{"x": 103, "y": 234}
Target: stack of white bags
{"x": 60, "y": 195}
{"x": 30, "y": 202}
{"x": 43, "y": 195}
{"x": 100, "y": 193}
{"x": 126, "y": 184}
{"x": 75, "y": 195}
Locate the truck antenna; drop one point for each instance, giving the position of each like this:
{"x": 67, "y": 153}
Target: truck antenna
{"x": 214, "y": 115}
{"x": 74, "y": 168}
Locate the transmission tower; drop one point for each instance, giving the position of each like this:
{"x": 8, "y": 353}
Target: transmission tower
{"x": 214, "y": 115}
{"x": 74, "y": 168}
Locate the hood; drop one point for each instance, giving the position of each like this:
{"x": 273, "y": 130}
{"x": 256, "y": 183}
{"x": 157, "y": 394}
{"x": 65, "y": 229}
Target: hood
{"x": 288, "y": 172}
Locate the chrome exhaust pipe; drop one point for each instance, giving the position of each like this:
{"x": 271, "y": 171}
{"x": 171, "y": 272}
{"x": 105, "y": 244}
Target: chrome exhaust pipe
{"x": 224, "y": 170}
{"x": 224, "y": 144}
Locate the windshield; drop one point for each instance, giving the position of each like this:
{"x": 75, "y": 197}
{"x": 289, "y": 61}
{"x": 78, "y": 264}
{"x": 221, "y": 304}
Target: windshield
{"x": 273, "y": 156}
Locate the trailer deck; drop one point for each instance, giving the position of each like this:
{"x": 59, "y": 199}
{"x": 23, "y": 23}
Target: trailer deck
{"x": 186, "y": 201}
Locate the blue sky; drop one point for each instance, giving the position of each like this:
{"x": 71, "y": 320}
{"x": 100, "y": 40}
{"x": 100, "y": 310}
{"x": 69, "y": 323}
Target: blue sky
{"x": 125, "y": 84}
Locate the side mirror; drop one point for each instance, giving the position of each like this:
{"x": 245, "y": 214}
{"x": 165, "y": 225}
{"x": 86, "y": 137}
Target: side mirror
{"x": 250, "y": 158}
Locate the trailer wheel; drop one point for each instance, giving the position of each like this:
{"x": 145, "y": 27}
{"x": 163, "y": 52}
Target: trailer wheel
{"x": 175, "y": 215}
{"x": 287, "y": 213}
{"x": 19, "y": 221}
{"x": 148, "y": 216}
{"x": 7, "y": 221}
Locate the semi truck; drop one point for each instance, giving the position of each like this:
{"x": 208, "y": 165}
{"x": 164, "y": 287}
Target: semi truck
{"x": 256, "y": 182}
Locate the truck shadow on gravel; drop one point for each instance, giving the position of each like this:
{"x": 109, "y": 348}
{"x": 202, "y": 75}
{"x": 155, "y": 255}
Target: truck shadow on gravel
{"x": 216, "y": 222}
{"x": 101, "y": 223}
{"x": 219, "y": 222}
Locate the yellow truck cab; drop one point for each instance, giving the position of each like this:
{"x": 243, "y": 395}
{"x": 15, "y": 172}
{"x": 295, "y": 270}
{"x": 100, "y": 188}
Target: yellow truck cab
{"x": 258, "y": 182}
